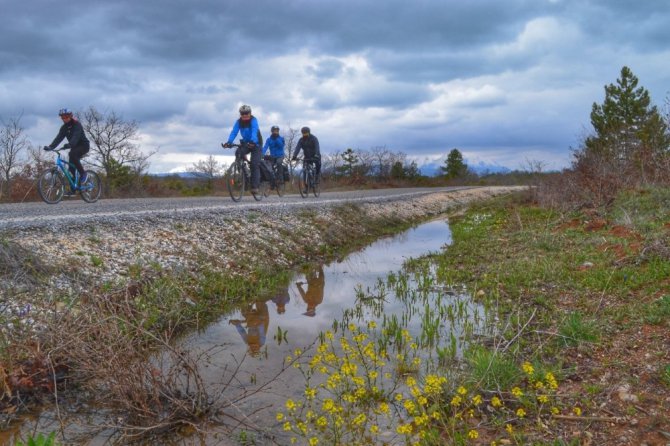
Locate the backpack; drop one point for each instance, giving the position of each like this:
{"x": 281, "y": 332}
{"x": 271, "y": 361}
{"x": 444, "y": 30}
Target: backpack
{"x": 266, "y": 171}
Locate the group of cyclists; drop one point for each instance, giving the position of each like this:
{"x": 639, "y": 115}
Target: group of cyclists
{"x": 250, "y": 143}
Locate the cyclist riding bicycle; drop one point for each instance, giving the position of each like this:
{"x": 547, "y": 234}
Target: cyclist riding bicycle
{"x": 310, "y": 147}
{"x": 77, "y": 143}
{"x": 276, "y": 145}
{"x": 247, "y": 127}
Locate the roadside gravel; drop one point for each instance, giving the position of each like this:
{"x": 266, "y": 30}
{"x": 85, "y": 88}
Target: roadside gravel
{"x": 85, "y": 251}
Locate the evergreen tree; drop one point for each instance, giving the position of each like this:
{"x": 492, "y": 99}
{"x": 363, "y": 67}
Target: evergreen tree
{"x": 626, "y": 124}
{"x": 454, "y": 166}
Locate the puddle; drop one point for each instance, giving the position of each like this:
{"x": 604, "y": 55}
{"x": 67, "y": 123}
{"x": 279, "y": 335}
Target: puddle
{"x": 241, "y": 357}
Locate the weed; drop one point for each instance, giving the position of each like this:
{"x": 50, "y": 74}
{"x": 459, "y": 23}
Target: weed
{"x": 574, "y": 330}
{"x": 40, "y": 440}
{"x": 665, "y": 375}
{"x": 96, "y": 261}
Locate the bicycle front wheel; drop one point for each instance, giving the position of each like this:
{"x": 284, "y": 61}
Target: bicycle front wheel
{"x": 281, "y": 186}
{"x": 90, "y": 191}
{"x": 302, "y": 184}
{"x": 51, "y": 186}
{"x": 235, "y": 181}
{"x": 316, "y": 186}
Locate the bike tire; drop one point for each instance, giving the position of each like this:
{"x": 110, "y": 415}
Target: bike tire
{"x": 236, "y": 182}
{"x": 90, "y": 192}
{"x": 51, "y": 186}
{"x": 262, "y": 191}
{"x": 302, "y": 184}
{"x": 316, "y": 187}
{"x": 281, "y": 187}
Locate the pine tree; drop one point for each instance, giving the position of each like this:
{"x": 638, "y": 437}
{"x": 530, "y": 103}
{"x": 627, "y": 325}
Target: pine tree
{"x": 454, "y": 166}
{"x": 626, "y": 124}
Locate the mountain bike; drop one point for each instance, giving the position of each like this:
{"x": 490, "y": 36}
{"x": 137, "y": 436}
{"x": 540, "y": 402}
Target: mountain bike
{"x": 278, "y": 172}
{"x": 309, "y": 181}
{"x": 52, "y": 182}
{"x": 238, "y": 177}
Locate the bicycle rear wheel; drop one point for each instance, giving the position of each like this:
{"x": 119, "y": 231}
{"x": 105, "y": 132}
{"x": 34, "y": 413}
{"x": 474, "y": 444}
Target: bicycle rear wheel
{"x": 51, "y": 186}
{"x": 90, "y": 191}
{"x": 235, "y": 181}
{"x": 302, "y": 184}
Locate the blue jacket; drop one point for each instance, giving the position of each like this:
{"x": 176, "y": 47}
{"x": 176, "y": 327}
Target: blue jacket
{"x": 248, "y": 130}
{"x": 276, "y": 145}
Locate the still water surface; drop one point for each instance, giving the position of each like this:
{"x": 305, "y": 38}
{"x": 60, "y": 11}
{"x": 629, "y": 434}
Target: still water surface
{"x": 241, "y": 356}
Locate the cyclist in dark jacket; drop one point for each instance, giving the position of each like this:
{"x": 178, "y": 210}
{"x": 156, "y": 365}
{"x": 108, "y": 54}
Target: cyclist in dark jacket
{"x": 76, "y": 138}
{"x": 310, "y": 147}
{"x": 247, "y": 127}
{"x": 276, "y": 145}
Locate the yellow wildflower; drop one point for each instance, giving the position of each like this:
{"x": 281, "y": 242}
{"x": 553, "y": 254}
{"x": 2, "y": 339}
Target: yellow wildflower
{"x": 290, "y": 404}
{"x": 313, "y": 441}
{"x": 495, "y": 402}
{"x": 528, "y": 368}
{"x": 517, "y": 392}
{"x": 509, "y": 428}
{"x": 280, "y": 416}
{"x": 520, "y": 412}
{"x": 473, "y": 434}
{"x": 577, "y": 411}
{"x": 462, "y": 390}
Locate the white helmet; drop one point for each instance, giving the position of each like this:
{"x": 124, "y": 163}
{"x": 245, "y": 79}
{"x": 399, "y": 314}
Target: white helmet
{"x": 245, "y": 109}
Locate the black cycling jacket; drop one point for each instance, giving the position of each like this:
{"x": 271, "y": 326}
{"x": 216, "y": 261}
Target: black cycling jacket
{"x": 74, "y": 132}
{"x": 309, "y": 146}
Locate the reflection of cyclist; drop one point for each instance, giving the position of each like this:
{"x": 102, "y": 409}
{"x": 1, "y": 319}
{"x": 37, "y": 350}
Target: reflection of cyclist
{"x": 247, "y": 127}
{"x": 314, "y": 294}
{"x": 310, "y": 147}
{"x": 276, "y": 145}
{"x": 281, "y": 299}
{"x": 77, "y": 141}
{"x": 257, "y": 319}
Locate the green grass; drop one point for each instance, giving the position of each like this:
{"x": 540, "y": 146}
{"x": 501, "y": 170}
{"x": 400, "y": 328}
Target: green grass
{"x": 575, "y": 330}
{"x": 492, "y": 370}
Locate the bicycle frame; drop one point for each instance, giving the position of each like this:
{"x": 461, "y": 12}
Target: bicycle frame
{"x": 63, "y": 166}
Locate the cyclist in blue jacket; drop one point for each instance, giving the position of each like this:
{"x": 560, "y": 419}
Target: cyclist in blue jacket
{"x": 247, "y": 127}
{"x": 276, "y": 145}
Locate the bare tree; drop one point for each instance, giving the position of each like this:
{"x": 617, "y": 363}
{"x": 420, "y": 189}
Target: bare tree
{"x": 290, "y": 141}
{"x": 114, "y": 143}
{"x": 12, "y": 142}
{"x": 382, "y": 159}
{"x": 208, "y": 168}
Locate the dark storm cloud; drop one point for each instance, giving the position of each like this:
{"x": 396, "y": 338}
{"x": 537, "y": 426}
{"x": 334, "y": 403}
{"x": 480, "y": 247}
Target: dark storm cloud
{"x": 480, "y": 75}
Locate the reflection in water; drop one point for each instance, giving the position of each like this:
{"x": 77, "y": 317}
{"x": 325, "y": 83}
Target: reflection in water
{"x": 315, "y": 284}
{"x": 254, "y": 327}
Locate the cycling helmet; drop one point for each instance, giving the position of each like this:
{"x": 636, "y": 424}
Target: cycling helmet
{"x": 304, "y": 130}
{"x": 274, "y": 127}
{"x": 245, "y": 109}
{"x": 64, "y": 112}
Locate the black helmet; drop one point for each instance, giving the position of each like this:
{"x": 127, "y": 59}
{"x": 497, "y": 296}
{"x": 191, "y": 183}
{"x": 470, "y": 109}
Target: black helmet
{"x": 64, "y": 112}
{"x": 304, "y": 130}
{"x": 274, "y": 127}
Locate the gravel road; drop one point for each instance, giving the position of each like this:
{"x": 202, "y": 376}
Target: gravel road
{"x": 72, "y": 210}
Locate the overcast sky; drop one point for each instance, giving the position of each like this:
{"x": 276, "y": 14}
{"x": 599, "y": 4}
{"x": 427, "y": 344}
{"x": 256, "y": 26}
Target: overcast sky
{"x": 504, "y": 81}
